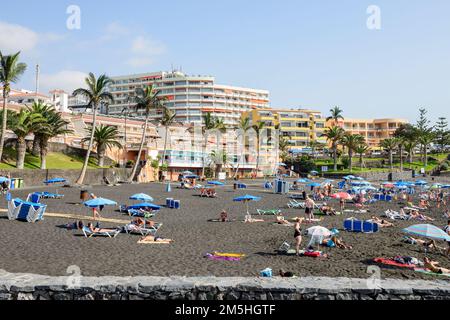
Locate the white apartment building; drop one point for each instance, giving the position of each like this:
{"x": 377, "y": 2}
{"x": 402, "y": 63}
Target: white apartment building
{"x": 190, "y": 96}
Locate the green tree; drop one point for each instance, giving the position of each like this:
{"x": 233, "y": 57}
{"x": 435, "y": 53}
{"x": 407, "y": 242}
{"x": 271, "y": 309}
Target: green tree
{"x": 105, "y": 137}
{"x": 44, "y": 110}
{"x": 168, "y": 118}
{"x": 23, "y": 124}
{"x": 243, "y": 127}
{"x": 408, "y": 134}
{"x": 390, "y": 145}
{"x": 96, "y": 93}
{"x": 10, "y": 72}
{"x": 442, "y": 134}
{"x": 424, "y": 133}
{"x": 361, "y": 149}
{"x": 336, "y": 115}
{"x": 351, "y": 142}
{"x": 209, "y": 123}
{"x": 146, "y": 99}
{"x": 334, "y": 136}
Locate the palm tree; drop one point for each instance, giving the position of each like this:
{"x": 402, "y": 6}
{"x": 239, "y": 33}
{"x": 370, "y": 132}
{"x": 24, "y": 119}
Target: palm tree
{"x": 425, "y": 138}
{"x": 283, "y": 146}
{"x": 97, "y": 93}
{"x": 220, "y": 159}
{"x": 336, "y": 115}
{"x": 167, "y": 119}
{"x": 258, "y": 130}
{"x": 408, "y": 134}
{"x": 10, "y": 71}
{"x": 390, "y": 145}
{"x": 23, "y": 124}
{"x": 352, "y": 141}
{"x": 361, "y": 149}
{"x": 209, "y": 123}
{"x": 147, "y": 99}
{"x": 105, "y": 137}
{"x": 243, "y": 127}
{"x": 334, "y": 136}
{"x": 53, "y": 126}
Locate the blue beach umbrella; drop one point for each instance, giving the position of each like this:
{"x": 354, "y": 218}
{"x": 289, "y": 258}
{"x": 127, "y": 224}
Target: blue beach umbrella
{"x": 349, "y": 177}
{"x": 141, "y": 197}
{"x": 427, "y": 231}
{"x": 359, "y": 178}
{"x": 145, "y": 205}
{"x": 55, "y": 180}
{"x": 420, "y": 183}
{"x": 216, "y": 183}
{"x": 314, "y": 172}
{"x": 3, "y": 179}
{"x": 446, "y": 186}
{"x": 313, "y": 184}
{"x": 247, "y": 198}
{"x": 191, "y": 176}
{"x": 303, "y": 180}
{"x": 97, "y": 202}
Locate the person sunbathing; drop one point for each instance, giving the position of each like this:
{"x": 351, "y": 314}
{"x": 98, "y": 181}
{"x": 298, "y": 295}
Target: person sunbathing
{"x": 433, "y": 266}
{"x": 338, "y": 242}
{"x": 249, "y": 219}
{"x": 223, "y": 216}
{"x": 97, "y": 229}
{"x": 329, "y": 211}
{"x": 416, "y": 215}
{"x": 156, "y": 239}
{"x": 139, "y": 222}
{"x": 381, "y": 222}
{"x": 281, "y": 220}
{"x": 431, "y": 244}
{"x": 423, "y": 204}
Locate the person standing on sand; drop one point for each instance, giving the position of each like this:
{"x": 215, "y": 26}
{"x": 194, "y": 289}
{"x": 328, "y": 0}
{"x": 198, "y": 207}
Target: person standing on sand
{"x": 95, "y": 212}
{"x": 298, "y": 235}
{"x": 342, "y": 205}
{"x": 309, "y": 208}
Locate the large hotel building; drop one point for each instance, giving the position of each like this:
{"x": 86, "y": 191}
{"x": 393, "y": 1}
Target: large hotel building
{"x": 190, "y": 96}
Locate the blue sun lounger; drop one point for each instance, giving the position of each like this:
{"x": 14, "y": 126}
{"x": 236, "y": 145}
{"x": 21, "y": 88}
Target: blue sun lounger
{"x": 26, "y": 211}
{"x": 355, "y": 225}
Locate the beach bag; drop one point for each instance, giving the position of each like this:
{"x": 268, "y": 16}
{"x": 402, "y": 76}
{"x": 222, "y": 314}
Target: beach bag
{"x": 284, "y": 247}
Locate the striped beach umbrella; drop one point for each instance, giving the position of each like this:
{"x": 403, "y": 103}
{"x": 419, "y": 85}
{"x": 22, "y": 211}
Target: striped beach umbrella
{"x": 427, "y": 231}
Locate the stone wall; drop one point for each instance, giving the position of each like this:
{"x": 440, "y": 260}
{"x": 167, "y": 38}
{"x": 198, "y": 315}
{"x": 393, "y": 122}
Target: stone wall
{"x": 35, "y": 287}
{"x": 36, "y": 177}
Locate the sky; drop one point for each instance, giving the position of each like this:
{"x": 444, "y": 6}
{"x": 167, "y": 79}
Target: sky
{"x": 310, "y": 54}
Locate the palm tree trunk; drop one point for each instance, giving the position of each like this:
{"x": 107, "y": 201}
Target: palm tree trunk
{"x": 165, "y": 147}
{"x": 425, "y": 162}
{"x": 35, "y": 151}
{"x": 21, "y": 151}
{"x": 257, "y": 155}
{"x": 204, "y": 155}
{"x": 43, "y": 150}
{"x": 361, "y": 161}
{"x": 350, "y": 157}
{"x": 101, "y": 156}
{"x": 335, "y": 158}
{"x": 401, "y": 158}
{"x": 141, "y": 147}
{"x": 88, "y": 153}
{"x": 390, "y": 160}
{"x": 5, "y": 116}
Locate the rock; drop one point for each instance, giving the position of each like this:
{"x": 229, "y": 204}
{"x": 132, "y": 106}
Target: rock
{"x": 233, "y": 295}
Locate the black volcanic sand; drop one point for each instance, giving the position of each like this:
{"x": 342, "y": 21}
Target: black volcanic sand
{"x": 45, "y": 248}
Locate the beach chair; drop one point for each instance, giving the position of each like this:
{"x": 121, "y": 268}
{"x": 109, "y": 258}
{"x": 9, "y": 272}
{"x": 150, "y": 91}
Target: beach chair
{"x": 295, "y": 204}
{"x": 34, "y": 197}
{"x": 355, "y": 225}
{"x": 89, "y": 234}
{"x": 140, "y": 213}
{"x": 13, "y": 209}
{"x": 271, "y": 212}
{"x": 144, "y": 231}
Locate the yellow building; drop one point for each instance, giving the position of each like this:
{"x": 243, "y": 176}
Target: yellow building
{"x": 373, "y": 130}
{"x": 300, "y": 126}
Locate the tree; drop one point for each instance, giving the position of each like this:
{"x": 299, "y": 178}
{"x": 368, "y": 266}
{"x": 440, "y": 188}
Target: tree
{"x": 336, "y": 115}
{"x": 423, "y": 133}
{"x": 408, "y": 135}
{"x": 96, "y": 93}
{"x": 442, "y": 134}
{"x": 259, "y": 127}
{"x": 53, "y": 126}
{"x": 167, "y": 119}
{"x": 23, "y": 124}
{"x": 10, "y": 72}
{"x": 209, "y": 123}
{"x": 283, "y": 147}
{"x": 243, "y": 127}
{"x": 390, "y": 145}
{"x": 219, "y": 158}
{"x": 105, "y": 137}
{"x": 361, "y": 149}
{"x": 425, "y": 139}
{"x": 147, "y": 99}
{"x": 334, "y": 136}
{"x": 351, "y": 141}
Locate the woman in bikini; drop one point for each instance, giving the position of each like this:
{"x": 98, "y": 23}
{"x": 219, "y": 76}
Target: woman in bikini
{"x": 433, "y": 266}
{"x": 298, "y": 235}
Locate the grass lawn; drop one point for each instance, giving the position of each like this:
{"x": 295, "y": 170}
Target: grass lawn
{"x": 54, "y": 161}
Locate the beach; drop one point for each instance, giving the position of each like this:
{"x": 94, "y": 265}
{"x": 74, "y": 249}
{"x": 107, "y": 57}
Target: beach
{"x": 48, "y": 249}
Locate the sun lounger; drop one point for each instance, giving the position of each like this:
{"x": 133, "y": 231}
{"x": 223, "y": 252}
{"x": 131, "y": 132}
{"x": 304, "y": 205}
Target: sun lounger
{"x": 140, "y": 213}
{"x": 89, "y": 234}
{"x": 34, "y": 197}
{"x": 295, "y": 204}
{"x": 355, "y": 225}
{"x": 393, "y": 263}
{"x": 144, "y": 231}
{"x": 271, "y": 212}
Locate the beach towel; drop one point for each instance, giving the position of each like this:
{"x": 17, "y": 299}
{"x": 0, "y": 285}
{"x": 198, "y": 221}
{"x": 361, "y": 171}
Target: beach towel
{"x": 393, "y": 263}
{"x": 151, "y": 240}
{"x": 233, "y": 255}
{"x": 214, "y": 257}
{"x": 421, "y": 270}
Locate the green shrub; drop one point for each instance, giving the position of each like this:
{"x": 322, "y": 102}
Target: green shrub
{"x": 345, "y": 162}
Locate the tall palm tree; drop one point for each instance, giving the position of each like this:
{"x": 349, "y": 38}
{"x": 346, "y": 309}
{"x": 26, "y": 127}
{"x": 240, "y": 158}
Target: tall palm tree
{"x": 105, "y": 137}
{"x": 53, "y": 126}
{"x": 336, "y": 115}
{"x": 425, "y": 138}
{"x": 167, "y": 119}
{"x": 283, "y": 146}
{"x": 147, "y": 99}
{"x": 96, "y": 93}
{"x": 334, "y": 136}
{"x": 10, "y": 71}
{"x": 23, "y": 124}
{"x": 219, "y": 158}
{"x": 352, "y": 141}
{"x": 209, "y": 123}
{"x": 259, "y": 127}
{"x": 390, "y": 145}
{"x": 361, "y": 149}
{"x": 243, "y": 127}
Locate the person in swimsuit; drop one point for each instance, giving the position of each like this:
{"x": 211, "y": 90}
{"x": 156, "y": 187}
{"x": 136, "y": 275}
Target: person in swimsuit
{"x": 223, "y": 216}
{"x": 433, "y": 266}
{"x": 298, "y": 235}
{"x": 309, "y": 208}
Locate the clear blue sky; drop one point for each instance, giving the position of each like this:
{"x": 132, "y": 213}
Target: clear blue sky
{"x": 307, "y": 53}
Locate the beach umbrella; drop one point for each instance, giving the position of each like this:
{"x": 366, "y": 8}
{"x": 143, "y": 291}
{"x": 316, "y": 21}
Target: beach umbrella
{"x": 187, "y": 173}
{"x": 247, "y": 198}
{"x": 359, "y": 178}
{"x": 388, "y": 185}
{"x": 436, "y": 186}
{"x": 319, "y": 231}
{"x": 216, "y": 183}
{"x": 303, "y": 180}
{"x": 3, "y": 179}
{"x": 420, "y": 182}
{"x": 342, "y": 195}
{"x": 313, "y": 184}
{"x": 141, "y": 197}
{"x": 97, "y": 202}
{"x": 427, "y": 231}
{"x": 168, "y": 188}
{"x": 446, "y": 186}
{"x": 349, "y": 177}
{"x": 55, "y": 180}
{"x": 370, "y": 188}
{"x": 191, "y": 176}
{"x": 282, "y": 164}
{"x": 145, "y": 205}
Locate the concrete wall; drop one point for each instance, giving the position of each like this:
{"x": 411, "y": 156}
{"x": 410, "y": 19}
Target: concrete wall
{"x": 36, "y": 177}
{"x": 35, "y": 287}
